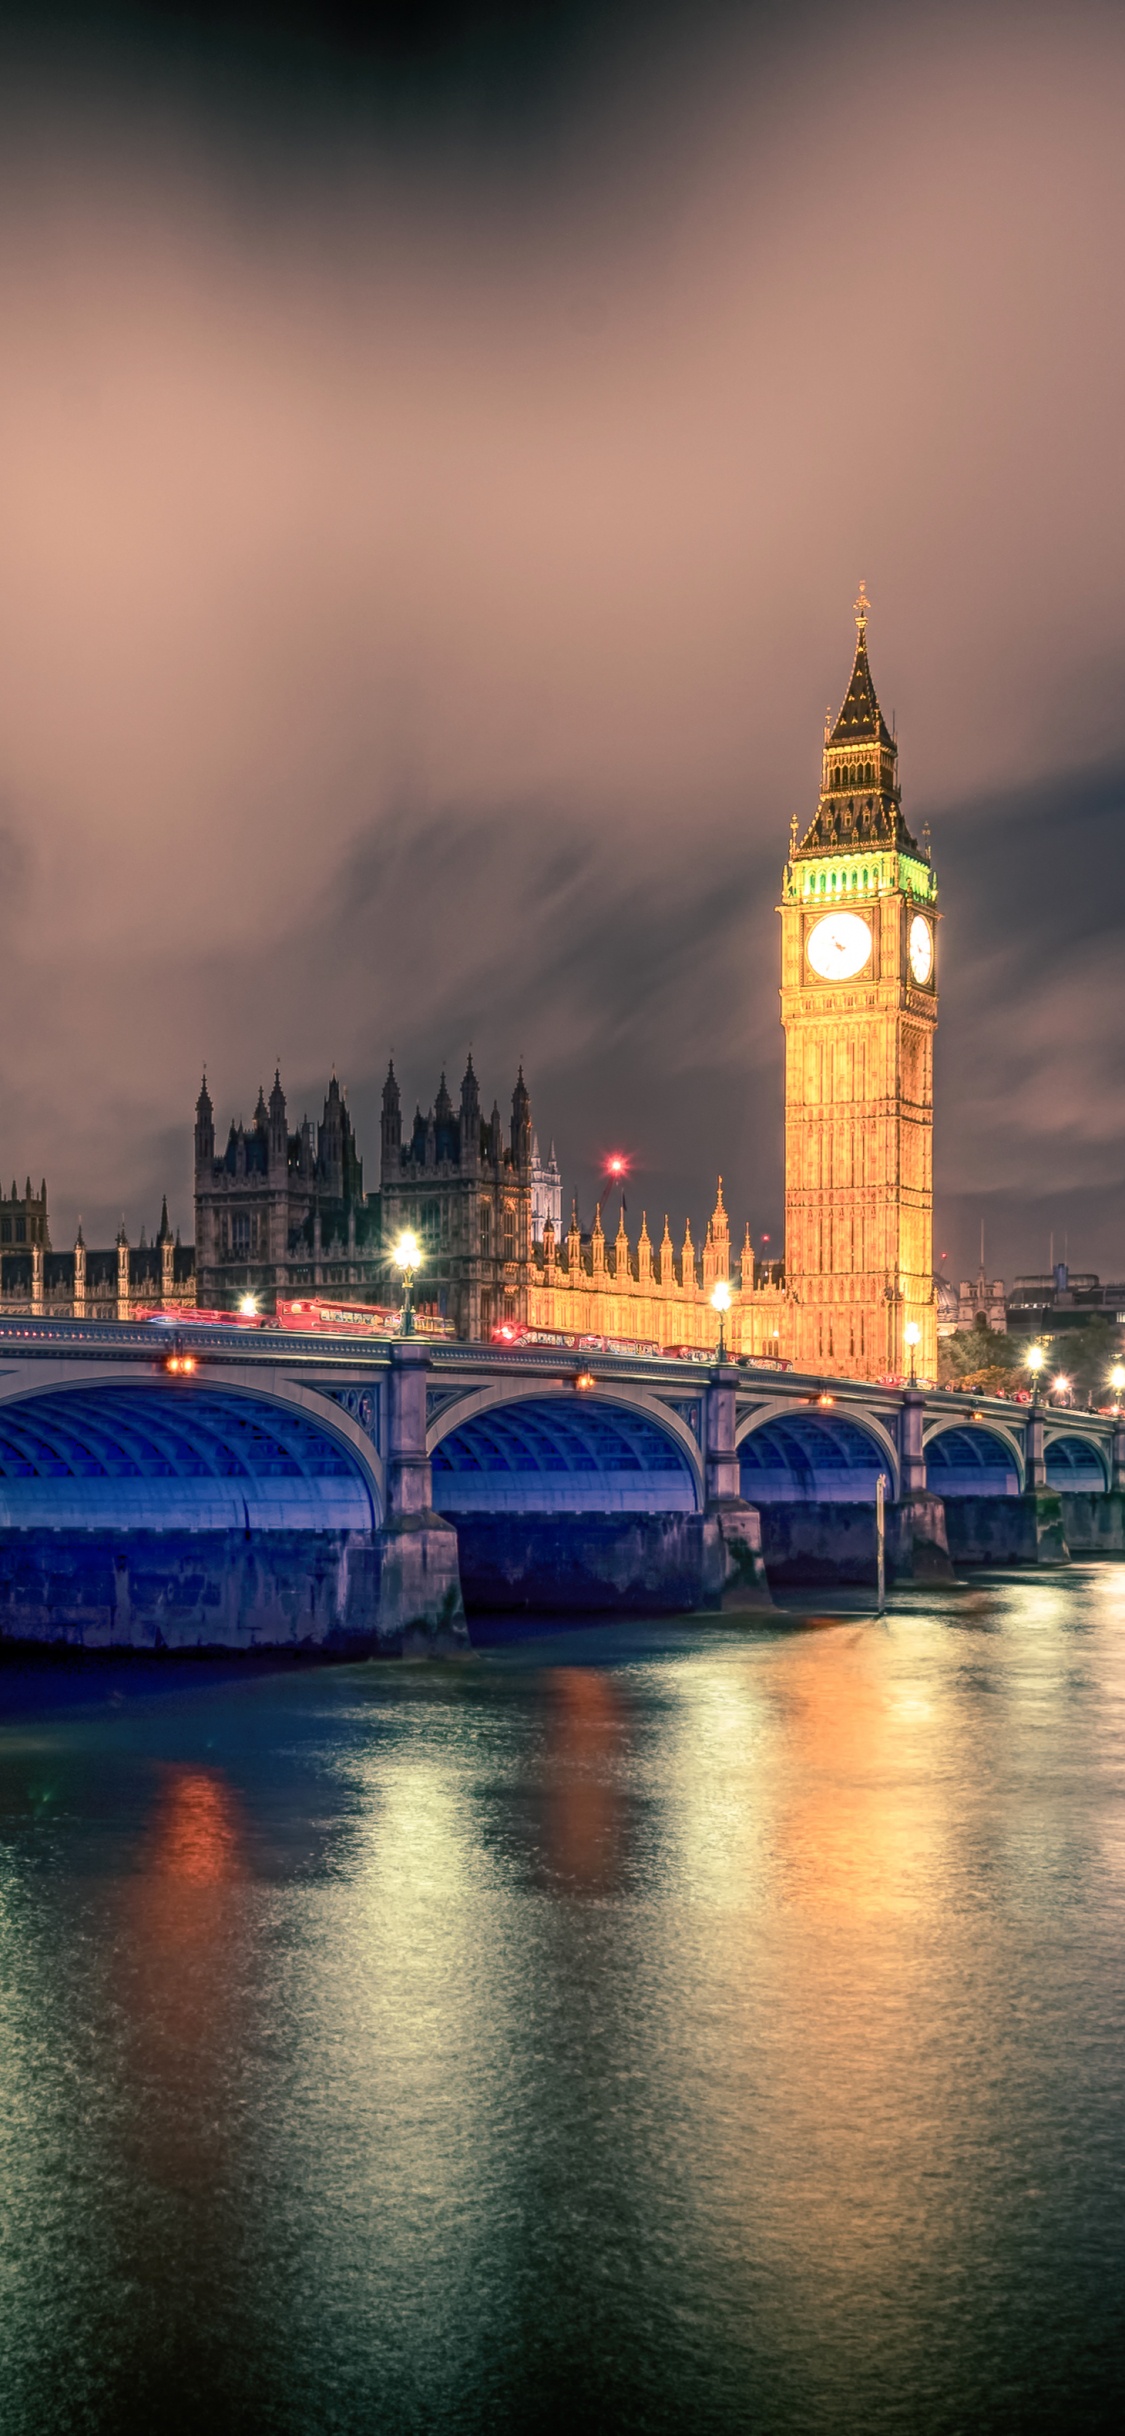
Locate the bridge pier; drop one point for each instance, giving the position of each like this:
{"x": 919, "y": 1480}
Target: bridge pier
{"x": 420, "y": 1611}
{"x": 734, "y": 1564}
{"x": 920, "y": 1546}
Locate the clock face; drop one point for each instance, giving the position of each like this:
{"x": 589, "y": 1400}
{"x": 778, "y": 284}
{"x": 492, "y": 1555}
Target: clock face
{"x": 839, "y": 946}
{"x": 921, "y": 949}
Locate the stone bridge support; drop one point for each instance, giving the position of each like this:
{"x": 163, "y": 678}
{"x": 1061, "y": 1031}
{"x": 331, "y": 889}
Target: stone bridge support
{"x": 420, "y": 1611}
{"x": 735, "y": 1561}
{"x": 920, "y": 1545}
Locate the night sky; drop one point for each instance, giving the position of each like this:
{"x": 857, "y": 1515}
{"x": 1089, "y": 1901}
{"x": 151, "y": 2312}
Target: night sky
{"x": 439, "y": 449}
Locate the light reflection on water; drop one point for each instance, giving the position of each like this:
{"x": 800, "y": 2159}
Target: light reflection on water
{"x": 643, "y": 2024}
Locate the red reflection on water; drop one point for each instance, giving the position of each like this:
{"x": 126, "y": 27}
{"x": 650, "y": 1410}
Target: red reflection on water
{"x": 195, "y": 1835}
{"x": 584, "y": 1809}
{"x": 182, "y": 1973}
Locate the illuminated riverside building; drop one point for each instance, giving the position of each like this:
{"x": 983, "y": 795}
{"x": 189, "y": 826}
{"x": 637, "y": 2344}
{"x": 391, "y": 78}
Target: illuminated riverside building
{"x": 859, "y": 1007}
{"x": 113, "y": 1282}
{"x": 584, "y": 1286}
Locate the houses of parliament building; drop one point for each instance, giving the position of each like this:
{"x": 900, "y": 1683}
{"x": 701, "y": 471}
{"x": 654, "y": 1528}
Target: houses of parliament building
{"x": 283, "y": 1212}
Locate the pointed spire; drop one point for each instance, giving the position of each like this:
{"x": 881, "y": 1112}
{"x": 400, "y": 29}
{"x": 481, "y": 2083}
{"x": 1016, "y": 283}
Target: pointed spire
{"x": 860, "y": 719}
{"x": 687, "y": 1261}
{"x": 860, "y": 806}
{"x": 165, "y": 1232}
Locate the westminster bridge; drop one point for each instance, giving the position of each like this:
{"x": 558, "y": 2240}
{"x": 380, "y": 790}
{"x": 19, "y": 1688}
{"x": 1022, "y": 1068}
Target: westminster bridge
{"x": 217, "y": 1487}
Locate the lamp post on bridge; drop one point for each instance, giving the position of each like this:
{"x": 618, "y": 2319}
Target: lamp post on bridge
{"x": 406, "y": 1257}
{"x": 1035, "y": 1462}
{"x": 1117, "y": 1382}
{"x": 720, "y": 1302}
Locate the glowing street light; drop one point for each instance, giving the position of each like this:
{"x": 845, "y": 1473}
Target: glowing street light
{"x": 1035, "y": 1358}
{"x": 407, "y": 1256}
{"x": 248, "y": 1307}
{"x": 720, "y": 1302}
{"x": 1117, "y": 1381}
{"x": 1060, "y": 1386}
{"x": 913, "y": 1335}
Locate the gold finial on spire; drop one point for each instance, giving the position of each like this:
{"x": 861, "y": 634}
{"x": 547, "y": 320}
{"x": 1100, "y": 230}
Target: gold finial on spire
{"x": 792, "y": 835}
{"x": 862, "y": 609}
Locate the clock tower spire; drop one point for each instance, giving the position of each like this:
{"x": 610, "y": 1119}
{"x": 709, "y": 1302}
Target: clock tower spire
{"x": 859, "y": 1008}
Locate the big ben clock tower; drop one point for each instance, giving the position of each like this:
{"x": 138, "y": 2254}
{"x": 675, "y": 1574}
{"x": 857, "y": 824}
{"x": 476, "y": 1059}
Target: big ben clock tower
{"x": 859, "y": 1007}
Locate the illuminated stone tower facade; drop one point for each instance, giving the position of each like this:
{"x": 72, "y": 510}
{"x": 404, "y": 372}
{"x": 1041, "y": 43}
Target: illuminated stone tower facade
{"x": 859, "y": 1007}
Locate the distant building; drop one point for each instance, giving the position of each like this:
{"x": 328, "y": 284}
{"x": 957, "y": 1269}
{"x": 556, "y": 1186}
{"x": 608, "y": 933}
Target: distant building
{"x": 463, "y": 1184}
{"x": 286, "y": 1213}
{"x": 979, "y": 1298}
{"x": 279, "y": 1212}
{"x": 114, "y": 1283}
{"x": 23, "y": 1217}
{"x": 1061, "y": 1300}
{"x": 546, "y": 1192}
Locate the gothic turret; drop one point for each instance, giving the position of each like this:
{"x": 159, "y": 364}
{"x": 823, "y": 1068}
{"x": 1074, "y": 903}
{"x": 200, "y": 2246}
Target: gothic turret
{"x": 521, "y": 1123}
{"x": 391, "y": 1129}
{"x": 470, "y": 1117}
{"x": 279, "y": 1125}
{"x": 204, "y": 1126}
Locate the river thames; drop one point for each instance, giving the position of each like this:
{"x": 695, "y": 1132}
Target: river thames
{"x": 639, "y": 2027}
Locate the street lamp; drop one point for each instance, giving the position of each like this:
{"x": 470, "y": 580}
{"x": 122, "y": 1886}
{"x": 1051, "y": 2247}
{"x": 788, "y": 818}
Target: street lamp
{"x": 407, "y": 1256}
{"x": 720, "y": 1302}
{"x": 1117, "y": 1381}
{"x": 913, "y": 1335}
{"x": 248, "y": 1307}
{"x": 1035, "y": 1358}
{"x": 1060, "y": 1386}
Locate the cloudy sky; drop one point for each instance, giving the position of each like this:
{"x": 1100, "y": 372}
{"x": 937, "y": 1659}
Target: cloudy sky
{"x": 438, "y": 453}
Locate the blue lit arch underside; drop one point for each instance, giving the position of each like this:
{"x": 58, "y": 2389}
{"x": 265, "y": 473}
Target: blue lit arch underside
{"x": 812, "y": 1459}
{"x": 552, "y": 1455}
{"x": 174, "y": 1458}
{"x": 1074, "y": 1463}
{"x": 971, "y": 1463}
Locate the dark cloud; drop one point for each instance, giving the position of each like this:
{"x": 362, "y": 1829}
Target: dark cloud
{"x": 431, "y": 498}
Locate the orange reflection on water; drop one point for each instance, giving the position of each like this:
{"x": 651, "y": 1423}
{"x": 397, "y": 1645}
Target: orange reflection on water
{"x": 195, "y": 1834}
{"x": 854, "y": 1829}
{"x": 182, "y": 1970}
{"x": 586, "y": 1717}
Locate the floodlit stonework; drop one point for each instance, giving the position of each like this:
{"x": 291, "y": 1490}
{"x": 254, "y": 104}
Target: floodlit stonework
{"x": 859, "y": 1007}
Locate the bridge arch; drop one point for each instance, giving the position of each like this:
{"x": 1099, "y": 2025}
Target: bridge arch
{"x": 792, "y": 1454}
{"x": 966, "y": 1458}
{"x": 104, "y": 1449}
{"x": 533, "y": 1447}
{"x": 1074, "y": 1461}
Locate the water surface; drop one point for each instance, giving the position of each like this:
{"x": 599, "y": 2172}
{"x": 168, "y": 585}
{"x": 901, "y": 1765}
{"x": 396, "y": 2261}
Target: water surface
{"x": 638, "y": 2028}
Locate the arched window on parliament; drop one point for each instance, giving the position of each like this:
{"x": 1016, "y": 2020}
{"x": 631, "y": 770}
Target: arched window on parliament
{"x": 486, "y": 1230}
{"x": 509, "y": 1231}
